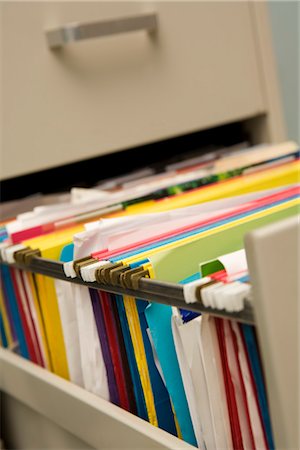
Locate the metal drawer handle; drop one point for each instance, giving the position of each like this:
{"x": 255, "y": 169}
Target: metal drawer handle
{"x": 79, "y": 31}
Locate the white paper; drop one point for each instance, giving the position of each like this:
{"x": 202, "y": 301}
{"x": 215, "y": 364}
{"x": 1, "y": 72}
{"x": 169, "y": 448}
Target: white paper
{"x": 235, "y": 262}
{"x": 190, "y": 363}
{"x": 68, "y": 317}
{"x": 208, "y": 342}
{"x": 186, "y": 376}
{"x": 92, "y": 363}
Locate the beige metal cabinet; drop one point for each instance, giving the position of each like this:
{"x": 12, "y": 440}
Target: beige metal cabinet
{"x": 207, "y": 64}
{"x": 199, "y": 69}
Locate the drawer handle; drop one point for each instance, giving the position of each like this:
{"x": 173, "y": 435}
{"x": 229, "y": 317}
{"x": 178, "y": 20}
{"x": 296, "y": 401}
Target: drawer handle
{"x": 73, "y": 32}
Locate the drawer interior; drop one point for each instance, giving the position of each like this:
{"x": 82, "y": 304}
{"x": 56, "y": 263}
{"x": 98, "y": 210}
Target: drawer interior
{"x": 88, "y": 172}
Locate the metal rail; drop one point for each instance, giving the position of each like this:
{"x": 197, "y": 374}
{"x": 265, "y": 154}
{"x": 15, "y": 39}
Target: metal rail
{"x": 152, "y": 290}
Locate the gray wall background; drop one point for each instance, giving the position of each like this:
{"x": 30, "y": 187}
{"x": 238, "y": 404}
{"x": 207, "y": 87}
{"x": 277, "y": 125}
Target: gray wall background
{"x": 285, "y": 19}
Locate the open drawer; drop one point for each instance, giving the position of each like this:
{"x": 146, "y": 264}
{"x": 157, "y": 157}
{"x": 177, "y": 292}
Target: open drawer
{"x": 63, "y": 415}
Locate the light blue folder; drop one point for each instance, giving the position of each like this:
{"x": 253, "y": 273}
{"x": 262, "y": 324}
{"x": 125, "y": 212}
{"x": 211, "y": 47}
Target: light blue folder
{"x": 159, "y": 321}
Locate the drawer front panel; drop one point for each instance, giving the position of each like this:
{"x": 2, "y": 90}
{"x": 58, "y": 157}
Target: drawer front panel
{"x": 104, "y": 94}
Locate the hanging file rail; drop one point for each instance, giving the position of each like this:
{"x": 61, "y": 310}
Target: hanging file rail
{"x": 167, "y": 293}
